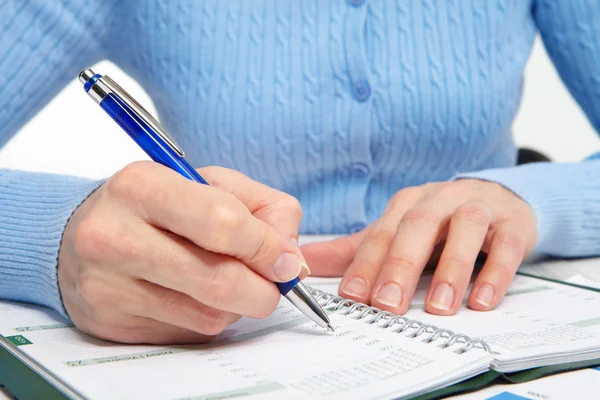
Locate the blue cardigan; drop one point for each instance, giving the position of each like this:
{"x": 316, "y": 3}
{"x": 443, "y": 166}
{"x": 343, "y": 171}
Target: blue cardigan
{"x": 340, "y": 103}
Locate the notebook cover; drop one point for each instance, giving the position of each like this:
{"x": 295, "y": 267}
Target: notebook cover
{"x": 23, "y": 382}
{"x": 557, "y": 281}
{"x": 491, "y": 377}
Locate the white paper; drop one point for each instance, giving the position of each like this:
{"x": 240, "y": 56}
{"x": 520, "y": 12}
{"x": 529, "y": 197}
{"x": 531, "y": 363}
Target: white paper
{"x": 283, "y": 356}
{"x": 536, "y": 324}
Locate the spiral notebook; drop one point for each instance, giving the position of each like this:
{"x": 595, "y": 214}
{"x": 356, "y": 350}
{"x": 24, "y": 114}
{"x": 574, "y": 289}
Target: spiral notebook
{"x": 372, "y": 354}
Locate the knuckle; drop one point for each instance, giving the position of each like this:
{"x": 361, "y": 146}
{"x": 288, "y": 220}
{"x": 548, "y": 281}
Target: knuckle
{"x": 98, "y": 320}
{"x": 421, "y": 217}
{"x": 292, "y": 204}
{"x": 215, "y": 321}
{"x": 451, "y": 190}
{"x": 504, "y": 271}
{"x": 93, "y": 291}
{"x": 475, "y": 213}
{"x": 91, "y": 240}
{"x": 380, "y": 237}
{"x": 459, "y": 261}
{"x": 167, "y": 303}
{"x": 261, "y": 252}
{"x": 512, "y": 240}
{"x": 224, "y": 217}
{"x": 403, "y": 261}
{"x": 216, "y": 175}
{"x": 125, "y": 182}
{"x": 96, "y": 239}
{"x": 218, "y": 291}
{"x": 268, "y": 305}
{"x": 366, "y": 264}
{"x": 403, "y": 197}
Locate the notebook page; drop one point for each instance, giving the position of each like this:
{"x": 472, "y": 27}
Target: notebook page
{"x": 537, "y": 319}
{"x": 283, "y": 356}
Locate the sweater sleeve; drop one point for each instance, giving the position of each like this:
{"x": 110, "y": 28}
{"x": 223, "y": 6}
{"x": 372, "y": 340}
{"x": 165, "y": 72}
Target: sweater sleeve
{"x": 34, "y": 210}
{"x": 565, "y": 197}
{"x": 44, "y": 44}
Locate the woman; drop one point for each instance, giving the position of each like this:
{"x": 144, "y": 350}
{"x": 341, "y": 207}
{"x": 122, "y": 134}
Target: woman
{"x": 389, "y": 121}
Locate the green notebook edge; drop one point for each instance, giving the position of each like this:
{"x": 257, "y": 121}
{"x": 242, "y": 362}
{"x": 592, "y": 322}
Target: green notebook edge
{"x": 486, "y": 379}
{"x": 23, "y": 382}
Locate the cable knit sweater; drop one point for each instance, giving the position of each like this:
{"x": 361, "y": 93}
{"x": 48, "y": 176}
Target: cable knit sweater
{"x": 340, "y": 103}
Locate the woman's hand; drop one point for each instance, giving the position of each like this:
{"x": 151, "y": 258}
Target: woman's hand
{"x": 382, "y": 264}
{"x": 152, "y": 257}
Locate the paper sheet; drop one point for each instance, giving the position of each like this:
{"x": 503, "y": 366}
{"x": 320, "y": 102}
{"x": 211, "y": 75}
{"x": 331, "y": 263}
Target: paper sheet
{"x": 283, "y": 356}
{"x": 536, "y": 318}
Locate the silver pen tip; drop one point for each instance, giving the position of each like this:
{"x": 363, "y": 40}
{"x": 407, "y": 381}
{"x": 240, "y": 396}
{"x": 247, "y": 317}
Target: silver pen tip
{"x": 330, "y": 328}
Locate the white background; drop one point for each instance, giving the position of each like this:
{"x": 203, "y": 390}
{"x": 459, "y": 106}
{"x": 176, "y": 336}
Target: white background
{"x": 72, "y": 136}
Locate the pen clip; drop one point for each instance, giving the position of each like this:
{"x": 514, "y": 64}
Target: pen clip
{"x": 141, "y": 113}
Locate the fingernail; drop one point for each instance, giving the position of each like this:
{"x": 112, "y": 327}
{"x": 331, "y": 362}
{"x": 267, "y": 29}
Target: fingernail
{"x": 390, "y": 295}
{"x": 305, "y": 269}
{"x": 303, "y": 262}
{"x": 287, "y": 267}
{"x": 303, "y": 274}
{"x": 356, "y": 287}
{"x": 485, "y": 295}
{"x": 443, "y": 297}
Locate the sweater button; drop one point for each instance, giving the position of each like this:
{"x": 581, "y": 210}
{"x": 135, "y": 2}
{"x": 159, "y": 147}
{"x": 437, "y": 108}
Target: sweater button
{"x": 362, "y": 90}
{"x": 360, "y": 170}
{"x": 357, "y": 227}
{"x": 356, "y": 3}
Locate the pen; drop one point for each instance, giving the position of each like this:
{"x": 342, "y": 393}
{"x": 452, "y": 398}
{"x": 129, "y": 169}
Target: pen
{"x": 160, "y": 147}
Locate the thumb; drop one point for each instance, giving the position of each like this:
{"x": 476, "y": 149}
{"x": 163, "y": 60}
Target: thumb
{"x": 332, "y": 258}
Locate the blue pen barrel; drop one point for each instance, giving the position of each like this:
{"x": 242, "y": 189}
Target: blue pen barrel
{"x": 147, "y": 139}
{"x": 285, "y": 287}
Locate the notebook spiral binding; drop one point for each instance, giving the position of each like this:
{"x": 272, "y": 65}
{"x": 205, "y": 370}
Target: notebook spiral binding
{"x": 406, "y": 324}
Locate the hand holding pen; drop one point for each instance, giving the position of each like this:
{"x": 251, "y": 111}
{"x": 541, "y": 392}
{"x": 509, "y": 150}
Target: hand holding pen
{"x": 155, "y": 256}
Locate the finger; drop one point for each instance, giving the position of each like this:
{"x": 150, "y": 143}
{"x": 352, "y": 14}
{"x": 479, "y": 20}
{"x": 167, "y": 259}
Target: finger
{"x": 209, "y": 217}
{"x": 507, "y": 250}
{"x": 468, "y": 227}
{"x": 102, "y": 311}
{"x": 332, "y": 258}
{"x": 362, "y": 273}
{"x": 155, "y": 332}
{"x": 178, "y": 309}
{"x": 418, "y": 232}
{"x": 278, "y": 209}
{"x": 139, "y": 330}
{"x": 216, "y": 280}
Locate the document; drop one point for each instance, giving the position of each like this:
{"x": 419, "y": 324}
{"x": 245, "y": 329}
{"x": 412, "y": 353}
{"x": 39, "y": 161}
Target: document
{"x": 283, "y": 356}
{"x": 536, "y": 324}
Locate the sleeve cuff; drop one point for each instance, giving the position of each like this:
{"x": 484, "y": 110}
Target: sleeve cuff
{"x": 34, "y": 210}
{"x": 565, "y": 199}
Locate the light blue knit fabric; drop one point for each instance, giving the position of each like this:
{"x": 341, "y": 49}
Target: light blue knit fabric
{"x": 340, "y": 103}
